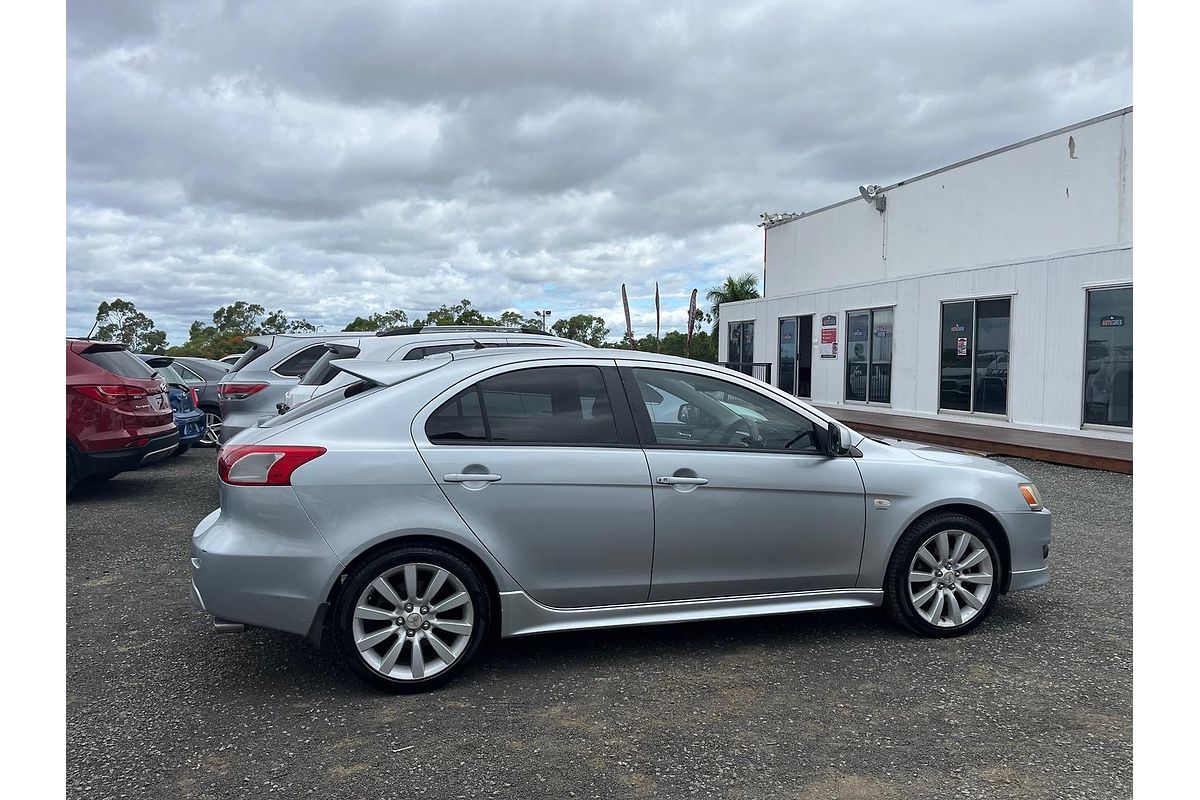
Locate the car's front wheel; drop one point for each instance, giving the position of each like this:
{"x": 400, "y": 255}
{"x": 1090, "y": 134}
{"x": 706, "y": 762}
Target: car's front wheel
{"x": 944, "y": 576}
{"x": 411, "y": 619}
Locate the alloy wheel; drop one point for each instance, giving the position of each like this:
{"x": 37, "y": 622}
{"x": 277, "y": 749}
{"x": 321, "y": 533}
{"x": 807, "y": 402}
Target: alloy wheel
{"x": 212, "y": 430}
{"x": 413, "y": 621}
{"x": 950, "y": 578}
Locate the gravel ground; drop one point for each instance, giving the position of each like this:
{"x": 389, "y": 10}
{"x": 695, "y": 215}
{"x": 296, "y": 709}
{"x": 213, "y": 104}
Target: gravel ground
{"x": 1036, "y": 703}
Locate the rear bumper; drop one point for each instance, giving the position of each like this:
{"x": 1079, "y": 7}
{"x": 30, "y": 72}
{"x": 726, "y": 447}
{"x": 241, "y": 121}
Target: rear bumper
{"x": 263, "y": 564}
{"x": 190, "y": 425}
{"x": 126, "y": 458}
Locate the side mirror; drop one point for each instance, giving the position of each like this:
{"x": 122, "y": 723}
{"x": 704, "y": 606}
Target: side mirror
{"x": 689, "y": 414}
{"x": 834, "y": 446}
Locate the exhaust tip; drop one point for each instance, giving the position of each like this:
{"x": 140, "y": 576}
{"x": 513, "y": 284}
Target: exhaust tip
{"x": 225, "y": 626}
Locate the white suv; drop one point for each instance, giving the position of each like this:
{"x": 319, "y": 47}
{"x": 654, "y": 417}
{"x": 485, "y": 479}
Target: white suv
{"x": 408, "y": 344}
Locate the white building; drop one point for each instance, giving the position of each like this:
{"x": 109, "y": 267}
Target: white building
{"x": 990, "y": 296}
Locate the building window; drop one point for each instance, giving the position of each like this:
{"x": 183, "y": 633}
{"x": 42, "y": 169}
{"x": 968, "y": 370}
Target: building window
{"x": 975, "y": 348}
{"x": 741, "y": 347}
{"x": 869, "y": 337}
{"x": 795, "y": 355}
{"x": 1108, "y": 373}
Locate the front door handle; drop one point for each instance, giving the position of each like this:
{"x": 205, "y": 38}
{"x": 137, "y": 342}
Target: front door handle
{"x": 673, "y": 480}
{"x": 471, "y": 477}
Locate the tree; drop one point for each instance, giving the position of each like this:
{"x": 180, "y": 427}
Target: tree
{"x": 514, "y": 319}
{"x": 379, "y": 321}
{"x": 120, "y": 321}
{"x": 584, "y": 328}
{"x": 731, "y": 291}
{"x": 231, "y": 325}
{"x": 674, "y": 343}
{"x": 458, "y": 314}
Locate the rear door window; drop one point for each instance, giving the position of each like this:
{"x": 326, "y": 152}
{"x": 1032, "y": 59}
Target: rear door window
{"x": 301, "y": 362}
{"x": 542, "y": 405}
{"x": 120, "y": 362}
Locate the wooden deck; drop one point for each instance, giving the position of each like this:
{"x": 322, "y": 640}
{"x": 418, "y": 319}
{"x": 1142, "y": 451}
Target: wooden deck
{"x": 1057, "y": 448}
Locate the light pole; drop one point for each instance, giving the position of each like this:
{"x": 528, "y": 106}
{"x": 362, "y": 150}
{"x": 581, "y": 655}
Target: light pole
{"x": 543, "y": 313}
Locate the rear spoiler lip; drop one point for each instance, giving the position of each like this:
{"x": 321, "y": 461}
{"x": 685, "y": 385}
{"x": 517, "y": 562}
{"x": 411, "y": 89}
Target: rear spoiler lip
{"x": 102, "y": 347}
{"x": 390, "y": 373}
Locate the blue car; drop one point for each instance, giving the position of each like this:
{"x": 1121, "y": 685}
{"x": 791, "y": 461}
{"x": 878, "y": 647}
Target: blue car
{"x": 189, "y": 419}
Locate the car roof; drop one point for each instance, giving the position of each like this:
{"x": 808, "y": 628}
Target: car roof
{"x": 511, "y": 354}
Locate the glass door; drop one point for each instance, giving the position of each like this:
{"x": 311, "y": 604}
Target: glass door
{"x": 795, "y": 355}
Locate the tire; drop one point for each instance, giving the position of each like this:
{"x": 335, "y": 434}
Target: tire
{"x": 458, "y": 631}
{"x": 180, "y": 450}
{"x": 101, "y": 477}
{"x": 973, "y": 574}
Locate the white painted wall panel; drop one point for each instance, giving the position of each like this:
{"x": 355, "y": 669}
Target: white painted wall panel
{"x": 1047, "y": 341}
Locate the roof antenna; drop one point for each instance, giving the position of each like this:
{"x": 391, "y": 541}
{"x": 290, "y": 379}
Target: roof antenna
{"x": 93, "y": 330}
{"x": 477, "y": 346}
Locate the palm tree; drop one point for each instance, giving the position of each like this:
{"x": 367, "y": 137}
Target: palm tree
{"x": 732, "y": 290}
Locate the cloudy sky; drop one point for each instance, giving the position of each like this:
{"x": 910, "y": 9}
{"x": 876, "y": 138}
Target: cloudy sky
{"x": 338, "y": 158}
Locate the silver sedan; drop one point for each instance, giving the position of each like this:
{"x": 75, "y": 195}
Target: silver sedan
{"x": 431, "y": 504}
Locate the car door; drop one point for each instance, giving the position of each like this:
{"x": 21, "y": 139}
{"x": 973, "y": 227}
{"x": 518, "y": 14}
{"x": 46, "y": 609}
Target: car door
{"x": 745, "y": 500}
{"x": 547, "y": 471}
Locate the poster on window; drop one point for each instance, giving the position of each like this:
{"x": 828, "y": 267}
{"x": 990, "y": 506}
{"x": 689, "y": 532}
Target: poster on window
{"x": 962, "y": 345}
{"x": 829, "y": 343}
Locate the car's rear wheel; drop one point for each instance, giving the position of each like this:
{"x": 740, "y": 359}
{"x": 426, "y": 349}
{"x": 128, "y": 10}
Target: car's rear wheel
{"x": 944, "y": 576}
{"x": 212, "y": 429}
{"x": 411, "y": 619}
{"x": 71, "y": 479}
{"x": 181, "y": 449}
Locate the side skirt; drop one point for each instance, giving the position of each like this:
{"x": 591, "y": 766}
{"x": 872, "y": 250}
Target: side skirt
{"x": 521, "y": 615}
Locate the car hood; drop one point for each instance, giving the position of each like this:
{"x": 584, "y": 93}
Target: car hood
{"x": 915, "y": 450}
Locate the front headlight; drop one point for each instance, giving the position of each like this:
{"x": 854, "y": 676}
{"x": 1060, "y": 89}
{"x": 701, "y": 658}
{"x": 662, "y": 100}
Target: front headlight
{"x": 1032, "y": 496}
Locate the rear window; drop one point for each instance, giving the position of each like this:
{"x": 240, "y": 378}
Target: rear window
{"x": 120, "y": 362}
{"x": 254, "y": 352}
{"x": 319, "y": 403}
{"x": 321, "y": 373}
{"x": 169, "y": 375}
{"x": 302, "y": 361}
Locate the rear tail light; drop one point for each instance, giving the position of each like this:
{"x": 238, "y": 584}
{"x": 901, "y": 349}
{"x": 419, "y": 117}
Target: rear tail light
{"x": 238, "y": 391}
{"x": 111, "y": 393}
{"x": 195, "y": 398}
{"x": 263, "y": 465}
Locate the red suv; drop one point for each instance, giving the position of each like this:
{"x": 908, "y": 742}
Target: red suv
{"x": 118, "y": 412}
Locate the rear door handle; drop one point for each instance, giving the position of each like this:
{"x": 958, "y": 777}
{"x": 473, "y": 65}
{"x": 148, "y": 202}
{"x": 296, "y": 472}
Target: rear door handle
{"x": 672, "y": 480}
{"x": 471, "y": 477}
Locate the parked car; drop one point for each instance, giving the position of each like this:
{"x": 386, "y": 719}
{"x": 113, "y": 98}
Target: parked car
{"x": 118, "y": 413}
{"x": 203, "y": 375}
{"x": 401, "y": 344}
{"x": 185, "y": 403}
{"x": 262, "y": 375}
{"x": 519, "y": 491}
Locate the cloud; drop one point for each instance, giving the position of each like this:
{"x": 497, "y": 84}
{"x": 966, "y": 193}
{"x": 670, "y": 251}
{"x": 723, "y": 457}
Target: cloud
{"x": 334, "y": 159}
